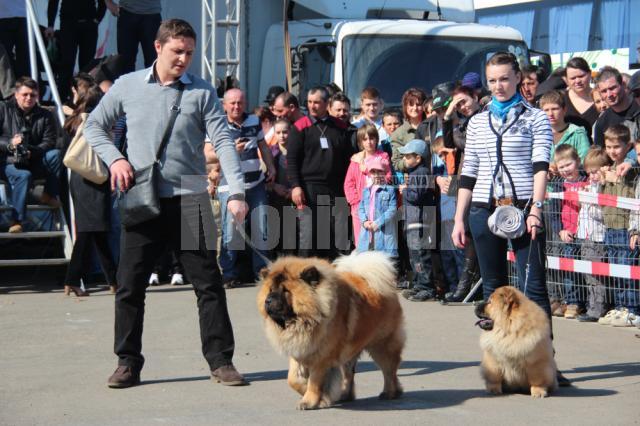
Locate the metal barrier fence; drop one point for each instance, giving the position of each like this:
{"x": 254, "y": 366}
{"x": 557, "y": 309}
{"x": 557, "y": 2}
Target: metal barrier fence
{"x": 592, "y": 252}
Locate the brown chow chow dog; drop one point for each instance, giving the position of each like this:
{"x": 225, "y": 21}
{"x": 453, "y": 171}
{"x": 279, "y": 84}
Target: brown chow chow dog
{"x": 518, "y": 355}
{"x": 322, "y": 316}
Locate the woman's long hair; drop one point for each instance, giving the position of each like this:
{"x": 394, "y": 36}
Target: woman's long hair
{"x": 87, "y": 101}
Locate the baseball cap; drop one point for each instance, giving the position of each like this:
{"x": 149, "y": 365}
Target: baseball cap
{"x": 376, "y": 163}
{"x": 415, "y": 146}
{"x": 442, "y": 95}
{"x": 472, "y": 80}
{"x": 273, "y": 93}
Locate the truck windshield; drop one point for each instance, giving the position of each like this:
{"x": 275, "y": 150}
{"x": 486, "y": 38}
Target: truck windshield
{"x": 392, "y": 64}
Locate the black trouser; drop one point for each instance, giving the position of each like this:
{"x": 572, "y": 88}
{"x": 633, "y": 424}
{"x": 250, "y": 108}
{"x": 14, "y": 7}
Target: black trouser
{"x": 181, "y": 228}
{"x": 420, "y": 258}
{"x": 134, "y": 29}
{"x": 13, "y": 35}
{"x": 76, "y": 39}
{"x": 324, "y": 230}
{"x": 81, "y": 257}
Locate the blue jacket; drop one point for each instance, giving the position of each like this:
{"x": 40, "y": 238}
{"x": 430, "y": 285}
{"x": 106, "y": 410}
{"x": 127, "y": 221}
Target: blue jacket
{"x": 419, "y": 197}
{"x": 385, "y": 238}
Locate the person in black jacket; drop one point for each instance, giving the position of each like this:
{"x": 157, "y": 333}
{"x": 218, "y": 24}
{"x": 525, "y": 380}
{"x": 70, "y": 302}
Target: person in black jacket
{"x": 318, "y": 156}
{"x": 91, "y": 204}
{"x": 463, "y": 106}
{"x": 79, "y": 21}
{"x": 27, "y": 141}
{"x": 419, "y": 199}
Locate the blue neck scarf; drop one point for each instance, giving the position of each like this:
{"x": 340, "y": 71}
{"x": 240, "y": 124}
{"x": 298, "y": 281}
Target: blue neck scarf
{"x": 501, "y": 109}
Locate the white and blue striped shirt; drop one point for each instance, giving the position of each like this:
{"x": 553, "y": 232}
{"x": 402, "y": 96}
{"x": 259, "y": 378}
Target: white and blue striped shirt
{"x": 526, "y": 146}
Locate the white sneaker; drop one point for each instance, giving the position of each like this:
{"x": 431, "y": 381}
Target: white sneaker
{"x": 606, "y": 320}
{"x": 623, "y": 319}
{"x": 176, "y": 279}
{"x": 154, "y": 279}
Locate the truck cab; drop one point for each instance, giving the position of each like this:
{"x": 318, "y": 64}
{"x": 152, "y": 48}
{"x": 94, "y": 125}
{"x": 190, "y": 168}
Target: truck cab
{"x": 389, "y": 54}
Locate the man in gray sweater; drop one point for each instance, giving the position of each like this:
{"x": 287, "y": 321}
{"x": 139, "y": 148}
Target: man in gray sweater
{"x": 145, "y": 97}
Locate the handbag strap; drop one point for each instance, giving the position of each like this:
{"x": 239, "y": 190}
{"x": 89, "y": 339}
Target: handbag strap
{"x": 500, "y": 163}
{"x": 175, "y": 109}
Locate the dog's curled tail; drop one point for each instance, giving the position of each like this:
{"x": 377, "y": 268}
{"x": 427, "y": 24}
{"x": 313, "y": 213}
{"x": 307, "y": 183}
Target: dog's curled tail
{"x": 375, "y": 267}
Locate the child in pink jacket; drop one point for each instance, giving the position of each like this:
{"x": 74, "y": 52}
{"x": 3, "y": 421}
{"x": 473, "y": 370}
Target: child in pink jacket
{"x": 357, "y": 178}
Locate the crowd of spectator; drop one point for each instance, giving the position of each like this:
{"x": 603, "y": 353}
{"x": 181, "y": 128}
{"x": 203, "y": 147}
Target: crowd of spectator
{"x": 345, "y": 176}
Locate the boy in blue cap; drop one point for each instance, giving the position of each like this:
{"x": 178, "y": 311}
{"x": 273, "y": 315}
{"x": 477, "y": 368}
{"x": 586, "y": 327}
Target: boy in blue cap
{"x": 419, "y": 204}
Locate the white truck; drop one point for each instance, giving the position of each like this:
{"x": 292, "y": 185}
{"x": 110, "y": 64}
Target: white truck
{"x": 391, "y": 45}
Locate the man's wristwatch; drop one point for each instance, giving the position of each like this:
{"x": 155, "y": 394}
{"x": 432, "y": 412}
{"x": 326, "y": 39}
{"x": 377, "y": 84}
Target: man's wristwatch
{"x": 538, "y": 204}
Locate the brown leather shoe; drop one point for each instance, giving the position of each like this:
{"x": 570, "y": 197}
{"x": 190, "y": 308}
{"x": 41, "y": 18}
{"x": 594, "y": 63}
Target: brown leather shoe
{"x": 228, "y": 376}
{"x": 124, "y": 377}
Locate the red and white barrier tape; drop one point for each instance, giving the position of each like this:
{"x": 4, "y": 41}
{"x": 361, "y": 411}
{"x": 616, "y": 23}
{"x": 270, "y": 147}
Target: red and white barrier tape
{"x": 587, "y": 267}
{"x": 599, "y": 199}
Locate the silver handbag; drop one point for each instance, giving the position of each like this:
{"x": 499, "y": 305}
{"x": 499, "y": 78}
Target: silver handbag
{"x": 507, "y": 222}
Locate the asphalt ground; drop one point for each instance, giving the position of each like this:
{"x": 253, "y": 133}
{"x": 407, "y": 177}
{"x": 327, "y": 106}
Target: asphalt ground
{"x": 56, "y": 356}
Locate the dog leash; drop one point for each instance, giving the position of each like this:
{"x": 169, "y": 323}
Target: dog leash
{"x": 527, "y": 267}
{"x": 247, "y": 240}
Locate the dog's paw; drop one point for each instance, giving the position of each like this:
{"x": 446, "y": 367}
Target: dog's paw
{"x": 310, "y": 405}
{"x": 390, "y": 395}
{"x": 537, "y": 392}
{"x": 494, "y": 389}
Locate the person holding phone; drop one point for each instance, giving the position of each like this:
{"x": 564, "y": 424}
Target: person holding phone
{"x": 252, "y": 148}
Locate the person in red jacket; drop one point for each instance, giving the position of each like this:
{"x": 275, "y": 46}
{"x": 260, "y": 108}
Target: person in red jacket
{"x": 357, "y": 177}
{"x": 318, "y": 156}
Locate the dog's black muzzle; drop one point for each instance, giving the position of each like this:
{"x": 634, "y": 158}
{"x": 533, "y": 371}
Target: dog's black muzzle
{"x": 485, "y": 322}
{"x": 278, "y": 308}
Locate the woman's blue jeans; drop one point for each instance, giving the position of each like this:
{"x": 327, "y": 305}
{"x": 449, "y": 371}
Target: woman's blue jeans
{"x": 492, "y": 258}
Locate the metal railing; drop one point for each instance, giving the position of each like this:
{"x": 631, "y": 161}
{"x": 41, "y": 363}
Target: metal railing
{"x": 590, "y": 250}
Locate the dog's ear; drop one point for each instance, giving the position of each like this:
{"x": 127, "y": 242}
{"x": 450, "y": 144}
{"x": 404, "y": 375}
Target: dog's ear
{"x": 264, "y": 272}
{"x": 511, "y": 300}
{"x": 311, "y": 275}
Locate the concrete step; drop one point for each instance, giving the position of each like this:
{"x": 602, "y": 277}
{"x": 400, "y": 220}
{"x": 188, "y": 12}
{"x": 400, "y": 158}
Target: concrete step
{"x": 34, "y": 262}
{"x": 31, "y": 235}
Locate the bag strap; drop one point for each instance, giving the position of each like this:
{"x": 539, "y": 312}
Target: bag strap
{"x": 175, "y": 109}
{"x": 499, "y": 152}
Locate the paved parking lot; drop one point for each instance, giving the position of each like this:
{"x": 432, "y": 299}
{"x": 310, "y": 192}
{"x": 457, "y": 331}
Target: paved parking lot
{"x": 57, "y": 354}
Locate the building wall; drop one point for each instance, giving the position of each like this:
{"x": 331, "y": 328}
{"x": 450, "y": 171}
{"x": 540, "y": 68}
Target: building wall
{"x": 558, "y": 26}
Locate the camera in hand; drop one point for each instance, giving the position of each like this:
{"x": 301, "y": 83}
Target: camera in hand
{"x": 21, "y": 153}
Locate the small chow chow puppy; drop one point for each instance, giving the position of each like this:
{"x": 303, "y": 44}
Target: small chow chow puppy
{"x": 518, "y": 355}
{"x": 323, "y": 315}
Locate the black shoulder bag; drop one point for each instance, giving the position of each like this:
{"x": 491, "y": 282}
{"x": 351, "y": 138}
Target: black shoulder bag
{"x": 141, "y": 202}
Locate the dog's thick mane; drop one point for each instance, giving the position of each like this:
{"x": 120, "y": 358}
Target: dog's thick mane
{"x": 300, "y": 332}
{"x": 512, "y": 334}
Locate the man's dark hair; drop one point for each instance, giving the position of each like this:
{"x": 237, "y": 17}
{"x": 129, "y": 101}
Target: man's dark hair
{"x": 288, "y": 99}
{"x": 27, "y": 82}
{"x": 339, "y": 97}
{"x": 322, "y": 90}
{"x": 393, "y": 112}
{"x": 466, "y": 90}
{"x": 174, "y": 28}
{"x": 332, "y": 89}
{"x": 608, "y": 72}
{"x": 527, "y": 70}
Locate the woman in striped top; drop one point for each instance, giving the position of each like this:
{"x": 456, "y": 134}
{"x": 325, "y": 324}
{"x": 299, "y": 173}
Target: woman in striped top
{"x": 506, "y": 162}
